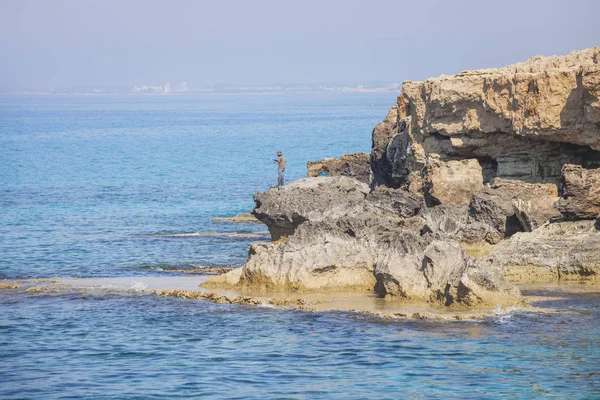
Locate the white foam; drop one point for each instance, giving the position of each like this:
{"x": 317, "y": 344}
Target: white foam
{"x": 232, "y": 235}
{"x": 138, "y": 286}
{"x": 506, "y": 311}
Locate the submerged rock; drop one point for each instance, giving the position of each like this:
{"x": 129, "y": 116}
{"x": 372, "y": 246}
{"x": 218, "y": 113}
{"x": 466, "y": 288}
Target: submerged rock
{"x": 240, "y": 218}
{"x": 355, "y": 166}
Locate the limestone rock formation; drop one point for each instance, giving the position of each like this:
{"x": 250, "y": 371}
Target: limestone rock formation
{"x": 396, "y": 201}
{"x": 580, "y": 192}
{"x": 558, "y": 251}
{"x": 461, "y": 164}
{"x": 524, "y": 121}
{"x": 388, "y": 159}
{"x": 507, "y": 207}
{"x": 284, "y": 208}
{"x": 452, "y": 182}
{"x": 533, "y": 128}
{"x": 378, "y": 243}
{"x": 355, "y": 166}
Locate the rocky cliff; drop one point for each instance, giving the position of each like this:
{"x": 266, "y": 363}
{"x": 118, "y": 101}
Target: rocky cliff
{"x": 475, "y": 178}
{"x": 524, "y": 121}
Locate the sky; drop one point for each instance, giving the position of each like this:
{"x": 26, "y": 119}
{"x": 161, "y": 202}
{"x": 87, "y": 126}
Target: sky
{"x": 257, "y": 42}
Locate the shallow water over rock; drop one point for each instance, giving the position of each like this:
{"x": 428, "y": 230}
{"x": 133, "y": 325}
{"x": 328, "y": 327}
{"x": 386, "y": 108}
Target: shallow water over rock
{"x": 134, "y": 344}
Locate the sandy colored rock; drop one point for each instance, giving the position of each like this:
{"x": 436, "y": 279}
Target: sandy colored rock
{"x": 332, "y": 254}
{"x": 580, "y": 192}
{"x": 452, "y": 182}
{"x": 495, "y": 213}
{"x": 226, "y": 280}
{"x": 557, "y": 251}
{"x": 442, "y": 274}
{"x": 471, "y": 158}
{"x": 356, "y": 165}
{"x": 524, "y": 121}
{"x": 549, "y": 98}
{"x": 421, "y": 273}
{"x": 7, "y": 285}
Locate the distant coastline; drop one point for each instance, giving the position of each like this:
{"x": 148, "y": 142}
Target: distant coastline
{"x": 215, "y": 89}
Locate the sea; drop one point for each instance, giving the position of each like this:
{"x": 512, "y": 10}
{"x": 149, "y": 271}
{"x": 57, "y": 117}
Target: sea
{"x": 127, "y": 186}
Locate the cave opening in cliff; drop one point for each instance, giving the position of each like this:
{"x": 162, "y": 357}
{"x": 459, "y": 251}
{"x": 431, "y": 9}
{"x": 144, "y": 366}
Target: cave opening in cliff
{"x": 489, "y": 168}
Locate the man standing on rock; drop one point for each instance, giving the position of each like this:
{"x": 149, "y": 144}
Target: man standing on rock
{"x": 281, "y": 164}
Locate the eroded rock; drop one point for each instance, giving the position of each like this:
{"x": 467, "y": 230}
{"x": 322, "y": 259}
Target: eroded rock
{"x": 453, "y": 182}
{"x": 469, "y": 159}
{"x": 524, "y": 121}
{"x": 580, "y": 197}
{"x": 509, "y": 206}
{"x": 355, "y": 166}
{"x": 381, "y": 245}
{"x": 383, "y": 163}
{"x": 557, "y": 251}
{"x": 284, "y": 208}
{"x": 401, "y": 202}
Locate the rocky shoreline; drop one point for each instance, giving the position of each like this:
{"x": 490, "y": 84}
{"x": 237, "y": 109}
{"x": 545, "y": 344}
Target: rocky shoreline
{"x": 355, "y": 302}
{"x": 476, "y": 181}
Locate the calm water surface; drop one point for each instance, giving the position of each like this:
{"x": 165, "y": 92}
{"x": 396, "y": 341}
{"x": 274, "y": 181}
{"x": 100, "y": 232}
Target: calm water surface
{"x": 97, "y": 186}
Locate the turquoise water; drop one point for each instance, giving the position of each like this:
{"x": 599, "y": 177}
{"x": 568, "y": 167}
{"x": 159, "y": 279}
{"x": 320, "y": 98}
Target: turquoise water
{"x": 86, "y": 180}
{"x": 98, "y": 186}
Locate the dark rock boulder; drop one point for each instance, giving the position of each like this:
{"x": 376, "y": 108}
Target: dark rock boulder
{"x": 284, "y": 208}
{"x": 355, "y": 166}
{"x": 580, "y": 192}
{"x": 397, "y": 201}
{"x": 509, "y": 206}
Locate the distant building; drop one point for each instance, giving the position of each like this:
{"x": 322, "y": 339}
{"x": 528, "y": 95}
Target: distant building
{"x": 167, "y": 88}
{"x": 149, "y": 89}
{"x": 183, "y": 87}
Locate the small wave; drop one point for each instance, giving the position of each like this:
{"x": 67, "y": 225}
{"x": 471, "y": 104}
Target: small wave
{"x": 510, "y": 310}
{"x": 187, "y": 268}
{"x": 506, "y": 314}
{"x": 138, "y": 286}
{"x": 108, "y": 286}
{"x": 231, "y": 235}
{"x": 181, "y": 267}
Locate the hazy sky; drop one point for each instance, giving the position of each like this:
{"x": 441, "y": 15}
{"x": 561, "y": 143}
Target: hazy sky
{"x": 129, "y": 42}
